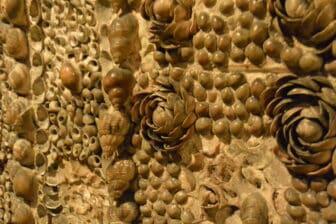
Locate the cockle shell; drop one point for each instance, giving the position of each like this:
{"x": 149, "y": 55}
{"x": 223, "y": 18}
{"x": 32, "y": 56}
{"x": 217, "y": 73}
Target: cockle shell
{"x": 16, "y": 44}
{"x": 19, "y": 79}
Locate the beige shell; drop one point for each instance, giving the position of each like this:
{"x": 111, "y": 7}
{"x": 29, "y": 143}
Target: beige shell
{"x": 15, "y": 11}
{"x": 16, "y": 44}
{"x": 127, "y": 212}
{"x": 23, "y": 152}
{"x": 254, "y": 209}
{"x": 70, "y": 76}
{"x": 19, "y": 79}
{"x": 22, "y": 214}
{"x": 24, "y": 182}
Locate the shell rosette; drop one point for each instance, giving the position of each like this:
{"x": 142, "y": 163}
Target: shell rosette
{"x": 303, "y": 112}
{"x": 167, "y": 117}
{"x": 318, "y": 18}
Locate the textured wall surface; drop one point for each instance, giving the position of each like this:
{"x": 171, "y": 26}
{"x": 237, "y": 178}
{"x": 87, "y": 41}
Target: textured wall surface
{"x": 167, "y": 111}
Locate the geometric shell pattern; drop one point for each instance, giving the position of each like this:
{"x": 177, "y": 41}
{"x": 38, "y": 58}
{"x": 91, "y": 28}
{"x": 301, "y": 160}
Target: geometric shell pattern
{"x": 167, "y": 111}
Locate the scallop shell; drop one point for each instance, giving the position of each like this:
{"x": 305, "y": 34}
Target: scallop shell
{"x": 254, "y": 209}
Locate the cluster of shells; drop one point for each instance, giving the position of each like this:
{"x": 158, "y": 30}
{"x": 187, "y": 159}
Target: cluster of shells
{"x": 167, "y": 111}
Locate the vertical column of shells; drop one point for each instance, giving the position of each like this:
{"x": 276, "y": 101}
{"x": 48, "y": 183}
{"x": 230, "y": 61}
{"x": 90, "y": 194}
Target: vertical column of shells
{"x": 19, "y": 191}
{"x": 119, "y": 65}
{"x": 73, "y": 94}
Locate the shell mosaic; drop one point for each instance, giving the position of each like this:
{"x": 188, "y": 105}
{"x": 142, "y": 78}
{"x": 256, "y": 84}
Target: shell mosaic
{"x": 167, "y": 111}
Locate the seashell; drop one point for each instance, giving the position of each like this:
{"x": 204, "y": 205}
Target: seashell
{"x": 310, "y": 62}
{"x": 123, "y": 32}
{"x": 186, "y": 53}
{"x": 40, "y": 163}
{"x": 309, "y": 199}
{"x": 23, "y": 152}
{"x": 291, "y": 56}
{"x": 257, "y": 87}
{"x": 254, "y": 209}
{"x": 159, "y": 207}
{"x": 19, "y": 79}
{"x": 174, "y": 211}
{"x": 258, "y": 32}
{"x": 243, "y": 92}
{"x": 38, "y": 87}
{"x": 221, "y": 128}
{"x": 253, "y": 106}
{"x": 127, "y": 212}
{"x": 236, "y": 128}
{"x": 331, "y": 189}
{"x": 199, "y": 92}
{"x": 203, "y": 57}
{"x": 296, "y": 212}
{"x": 203, "y": 21}
{"x": 23, "y": 179}
{"x": 209, "y": 3}
{"x": 323, "y": 199}
{"x": 300, "y": 184}
{"x": 41, "y": 137}
{"x": 237, "y": 54}
{"x": 292, "y": 196}
{"x": 117, "y": 84}
{"x": 227, "y": 95}
{"x": 22, "y": 214}
{"x": 272, "y": 47}
{"x": 198, "y": 40}
{"x": 257, "y": 8}
{"x": 94, "y": 161}
{"x": 118, "y": 177}
{"x": 156, "y": 183}
{"x": 328, "y": 213}
{"x": 203, "y": 125}
{"x": 318, "y": 184}
{"x": 36, "y": 33}
{"x": 173, "y": 169}
{"x": 219, "y": 58}
{"x": 242, "y": 4}
{"x": 255, "y": 54}
{"x": 226, "y": 7}
{"x": 241, "y": 37}
{"x": 217, "y": 24}
{"x": 205, "y": 80}
{"x": 187, "y": 217}
{"x": 215, "y": 110}
{"x": 245, "y": 19}
{"x": 15, "y": 11}
{"x": 224, "y": 42}
{"x": 156, "y": 168}
{"x": 159, "y": 57}
{"x": 240, "y": 110}
{"x": 16, "y": 44}
{"x": 173, "y": 185}
{"x": 152, "y": 194}
{"x": 71, "y": 77}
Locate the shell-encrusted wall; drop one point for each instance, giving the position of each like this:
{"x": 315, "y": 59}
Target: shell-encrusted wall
{"x": 167, "y": 111}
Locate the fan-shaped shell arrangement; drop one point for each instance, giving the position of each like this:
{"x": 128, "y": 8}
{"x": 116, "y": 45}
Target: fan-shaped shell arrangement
{"x": 167, "y": 111}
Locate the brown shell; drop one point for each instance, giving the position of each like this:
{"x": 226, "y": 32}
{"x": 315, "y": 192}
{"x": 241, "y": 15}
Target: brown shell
{"x": 16, "y": 44}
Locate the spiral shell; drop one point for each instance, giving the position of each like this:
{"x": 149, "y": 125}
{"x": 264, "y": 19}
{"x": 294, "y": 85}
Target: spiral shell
{"x": 127, "y": 212}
